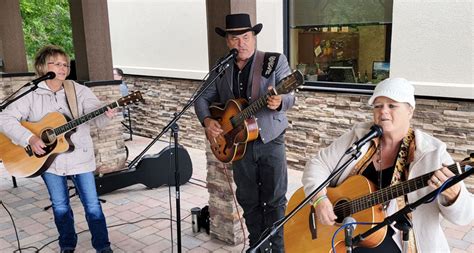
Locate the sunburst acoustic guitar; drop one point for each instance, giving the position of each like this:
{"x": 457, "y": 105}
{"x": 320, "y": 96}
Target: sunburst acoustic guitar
{"x": 356, "y": 197}
{"x": 55, "y": 131}
{"x": 237, "y": 121}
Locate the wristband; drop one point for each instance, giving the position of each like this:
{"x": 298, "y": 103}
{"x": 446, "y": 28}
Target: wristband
{"x": 319, "y": 199}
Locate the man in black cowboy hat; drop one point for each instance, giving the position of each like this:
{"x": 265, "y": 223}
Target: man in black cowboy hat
{"x": 261, "y": 175}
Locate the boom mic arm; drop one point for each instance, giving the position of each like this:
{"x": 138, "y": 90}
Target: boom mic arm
{"x": 49, "y": 75}
{"x": 222, "y": 61}
{"x": 375, "y": 131}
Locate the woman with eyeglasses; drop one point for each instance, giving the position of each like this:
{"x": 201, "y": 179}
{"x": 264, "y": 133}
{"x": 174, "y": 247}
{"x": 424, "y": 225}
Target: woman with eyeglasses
{"x": 401, "y": 153}
{"x": 77, "y": 165}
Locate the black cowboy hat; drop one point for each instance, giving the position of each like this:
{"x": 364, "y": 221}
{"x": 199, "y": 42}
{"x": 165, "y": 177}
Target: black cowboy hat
{"x": 238, "y": 24}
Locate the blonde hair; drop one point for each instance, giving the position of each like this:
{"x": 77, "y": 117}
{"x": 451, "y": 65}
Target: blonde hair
{"x": 42, "y": 56}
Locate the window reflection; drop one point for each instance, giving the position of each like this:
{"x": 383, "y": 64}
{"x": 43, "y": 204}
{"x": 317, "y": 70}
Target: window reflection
{"x": 349, "y": 54}
{"x": 341, "y": 40}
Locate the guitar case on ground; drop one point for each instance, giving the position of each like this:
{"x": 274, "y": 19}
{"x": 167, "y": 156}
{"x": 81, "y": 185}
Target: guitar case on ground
{"x": 153, "y": 171}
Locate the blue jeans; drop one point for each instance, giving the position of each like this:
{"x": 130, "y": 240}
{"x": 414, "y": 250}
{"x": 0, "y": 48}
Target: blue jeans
{"x": 63, "y": 216}
{"x": 261, "y": 178}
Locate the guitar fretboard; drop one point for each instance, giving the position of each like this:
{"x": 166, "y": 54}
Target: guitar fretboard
{"x": 287, "y": 85}
{"x": 81, "y": 120}
{"x": 251, "y": 110}
{"x": 387, "y": 193}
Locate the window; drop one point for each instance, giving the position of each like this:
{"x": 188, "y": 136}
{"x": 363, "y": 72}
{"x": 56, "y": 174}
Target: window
{"x": 340, "y": 41}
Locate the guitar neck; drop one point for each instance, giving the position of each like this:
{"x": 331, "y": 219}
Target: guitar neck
{"x": 394, "y": 191}
{"x": 81, "y": 120}
{"x": 251, "y": 110}
{"x": 285, "y": 86}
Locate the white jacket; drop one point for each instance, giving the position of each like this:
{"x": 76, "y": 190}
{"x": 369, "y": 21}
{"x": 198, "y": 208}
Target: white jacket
{"x": 35, "y": 105}
{"x": 430, "y": 154}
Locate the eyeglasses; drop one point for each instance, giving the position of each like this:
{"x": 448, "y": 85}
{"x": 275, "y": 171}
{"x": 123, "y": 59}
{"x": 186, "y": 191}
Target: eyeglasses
{"x": 58, "y": 64}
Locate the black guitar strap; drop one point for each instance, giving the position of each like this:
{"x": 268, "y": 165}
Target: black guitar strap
{"x": 265, "y": 65}
{"x": 269, "y": 64}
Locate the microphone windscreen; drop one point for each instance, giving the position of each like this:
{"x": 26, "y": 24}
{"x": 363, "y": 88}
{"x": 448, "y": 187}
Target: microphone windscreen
{"x": 50, "y": 75}
{"x": 348, "y": 220}
{"x": 234, "y": 52}
{"x": 378, "y": 129}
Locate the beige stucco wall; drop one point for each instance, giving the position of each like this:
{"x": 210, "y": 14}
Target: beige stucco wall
{"x": 432, "y": 46}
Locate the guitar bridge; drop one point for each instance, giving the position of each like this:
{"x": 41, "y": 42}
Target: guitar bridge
{"x": 29, "y": 151}
{"x": 313, "y": 226}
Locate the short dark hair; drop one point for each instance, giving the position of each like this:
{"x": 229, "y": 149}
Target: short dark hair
{"x": 119, "y": 71}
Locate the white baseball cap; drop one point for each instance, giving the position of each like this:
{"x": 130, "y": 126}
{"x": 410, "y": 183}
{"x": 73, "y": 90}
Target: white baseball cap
{"x": 398, "y": 89}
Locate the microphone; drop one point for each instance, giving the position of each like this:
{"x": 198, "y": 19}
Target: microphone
{"x": 232, "y": 54}
{"x": 375, "y": 131}
{"x": 49, "y": 75}
{"x": 348, "y": 231}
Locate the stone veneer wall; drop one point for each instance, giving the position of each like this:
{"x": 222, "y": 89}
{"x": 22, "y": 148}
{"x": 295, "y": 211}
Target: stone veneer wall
{"x": 108, "y": 142}
{"x": 315, "y": 121}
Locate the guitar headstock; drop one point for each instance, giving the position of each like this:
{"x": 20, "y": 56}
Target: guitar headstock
{"x": 135, "y": 96}
{"x": 290, "y": 82}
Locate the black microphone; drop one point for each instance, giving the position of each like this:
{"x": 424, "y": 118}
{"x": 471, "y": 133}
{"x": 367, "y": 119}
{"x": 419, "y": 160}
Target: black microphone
{"x": 348, "y": 231}
{"x": 49, "y": 75}
{"x": 375, "y": 131}
{"x": 232, "y": 54}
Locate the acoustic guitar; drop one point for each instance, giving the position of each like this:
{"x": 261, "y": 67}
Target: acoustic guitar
{"x": 238, "y": 123}
{"x": 55, "y": 131}
{"x": 356, "y": 197}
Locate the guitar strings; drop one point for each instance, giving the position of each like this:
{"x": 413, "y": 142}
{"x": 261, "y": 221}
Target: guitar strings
{"x": 253, "y": 107}
{"x": 371, "y": 199}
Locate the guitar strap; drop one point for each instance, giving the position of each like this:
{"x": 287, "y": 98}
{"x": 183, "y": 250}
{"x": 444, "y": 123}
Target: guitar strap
{"x": 265, "y": 65}
{"x": 71, "y": 98}
{"x": 405, "y": 157}
{"x": 256, "y": 76}
{"x": 402, "y": 163}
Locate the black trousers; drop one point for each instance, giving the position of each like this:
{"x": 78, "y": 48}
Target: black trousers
{"x": 262, "y": 180}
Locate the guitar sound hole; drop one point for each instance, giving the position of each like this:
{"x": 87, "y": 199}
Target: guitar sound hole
{"x": 341, "y": 210}
{"x": 48, "y": 136}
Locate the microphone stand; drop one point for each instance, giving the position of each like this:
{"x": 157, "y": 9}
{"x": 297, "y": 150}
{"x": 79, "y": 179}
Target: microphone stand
{"x": 10, "y": 99}
{"x": 174, "y": 128}
{"x": 278, "y": 224}
{"x": 401, "y": 215}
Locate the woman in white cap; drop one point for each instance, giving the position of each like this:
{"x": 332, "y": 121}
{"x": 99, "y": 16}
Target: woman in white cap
{"x": 401, "y": 153}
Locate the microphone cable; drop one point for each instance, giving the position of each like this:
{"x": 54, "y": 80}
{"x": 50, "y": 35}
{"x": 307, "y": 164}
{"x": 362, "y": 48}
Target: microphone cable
{"x": 83, "y": 231}
{"x": 236, "y": 206}
{"x": 13, "y": 223}
{"x": 439, "y": 190}
{"x": 169, "y": 194}
{"x": 111, "y": 226}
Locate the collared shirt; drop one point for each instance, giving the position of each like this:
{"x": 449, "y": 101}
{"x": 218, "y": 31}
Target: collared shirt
{"x": 241, "y": 79}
